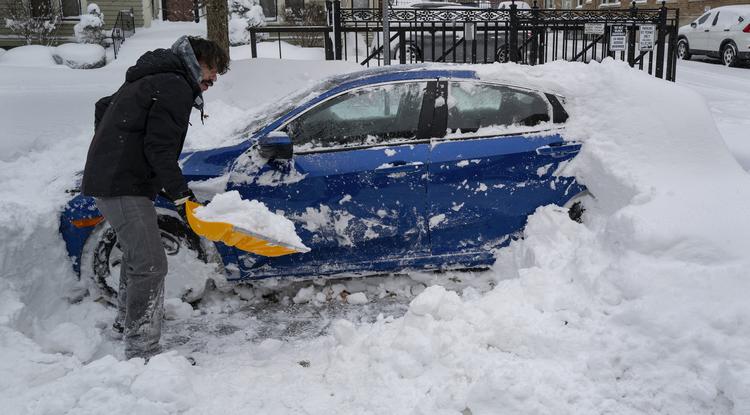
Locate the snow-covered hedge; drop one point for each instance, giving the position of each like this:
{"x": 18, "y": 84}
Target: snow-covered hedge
{"x": 30, "y": 55}
{"x": 244, "y": 14}
{"x": 89, "y": 29}
{"x": 73, "y": 55}
{"x": 80, "y": 56}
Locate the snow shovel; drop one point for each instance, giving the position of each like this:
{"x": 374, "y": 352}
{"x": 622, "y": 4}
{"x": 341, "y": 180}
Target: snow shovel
{"x": 240, "y": 238}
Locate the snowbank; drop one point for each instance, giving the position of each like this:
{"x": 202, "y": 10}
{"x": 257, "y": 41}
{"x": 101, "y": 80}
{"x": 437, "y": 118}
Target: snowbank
{"x": 80, "y": 56}
{"x": 641, "y": 309}
{"x": 30, "y": 55}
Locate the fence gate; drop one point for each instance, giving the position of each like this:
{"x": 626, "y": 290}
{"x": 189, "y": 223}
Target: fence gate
{"x": 645, "y": 38}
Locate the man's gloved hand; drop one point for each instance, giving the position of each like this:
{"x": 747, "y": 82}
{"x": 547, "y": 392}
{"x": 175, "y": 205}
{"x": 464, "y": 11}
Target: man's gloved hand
{"x": 179, "y": 204}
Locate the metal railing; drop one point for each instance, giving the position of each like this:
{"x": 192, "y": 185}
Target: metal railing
{"x": 123, "y": 28}
{"x": 484, "y": 35}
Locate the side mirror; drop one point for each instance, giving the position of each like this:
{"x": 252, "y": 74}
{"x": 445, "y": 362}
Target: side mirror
{"x": 693, "y": 25}
{"x": 276, "y": 146}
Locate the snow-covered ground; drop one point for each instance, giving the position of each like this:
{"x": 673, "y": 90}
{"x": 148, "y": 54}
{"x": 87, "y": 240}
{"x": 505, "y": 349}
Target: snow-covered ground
{"x": 641, "y": 309}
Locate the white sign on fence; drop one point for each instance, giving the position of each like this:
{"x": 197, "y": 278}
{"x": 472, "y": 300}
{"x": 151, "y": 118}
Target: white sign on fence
{"x": 617, "y": 35}
{"x": 593, "y": 28}
{"x": 648, "y": 32}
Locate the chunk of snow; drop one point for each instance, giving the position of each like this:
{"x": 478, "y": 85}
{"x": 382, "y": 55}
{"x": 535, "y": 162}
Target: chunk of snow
{"x": 304, "y": 295}
{"x": 250, "y": 215}
{"x": 356, "y": 298}
{"x": 176, "y": 309}
{"x": 436, "y": 220}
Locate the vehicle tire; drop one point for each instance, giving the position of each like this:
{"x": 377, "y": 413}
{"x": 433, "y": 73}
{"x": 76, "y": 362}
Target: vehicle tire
{"x": 683, "y": 49}
{"x": 101, "y": 257}
{"x": 729, "y": 54}
{"x": 413, "y": 54}
{"x": 577, "y": 206}
{"x": 502, "y": 55}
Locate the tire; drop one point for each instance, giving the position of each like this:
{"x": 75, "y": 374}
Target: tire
{"x": 413, "y": 54}
{"x": 577, "y": 206}
{"x": 502, "y": 55}
{"x": 102, "y": 257}
{"x": 729, "y": 54}
{"x": 683, "y": 49}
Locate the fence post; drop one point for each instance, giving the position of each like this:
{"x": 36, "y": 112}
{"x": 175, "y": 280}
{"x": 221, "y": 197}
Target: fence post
{"x": 253, "y": 41}
{"x": 513, "y": 47}
{"x": 660, "y": 38}
{"x": 337, "y": 45}
{"x": 196, "y": 11}
{"x": 534, "y": 34}
{"x": 672, "y": 51}
{"x": 327, "y": 42}
{"x": 401, "y": 46}
{"x": 631, "y": 36}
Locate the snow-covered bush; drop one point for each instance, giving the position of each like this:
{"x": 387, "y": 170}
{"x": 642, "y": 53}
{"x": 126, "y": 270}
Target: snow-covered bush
{"x": 244, "y": 14}
{"x": 36, "y": 23}
{"x": 29, "y": 55}
{"x": 89, "y": 29}
{"x": 78, "y": 56}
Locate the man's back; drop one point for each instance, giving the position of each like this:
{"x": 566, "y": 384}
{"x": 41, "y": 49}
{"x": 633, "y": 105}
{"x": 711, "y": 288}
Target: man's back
{"x": 140, "y": 130}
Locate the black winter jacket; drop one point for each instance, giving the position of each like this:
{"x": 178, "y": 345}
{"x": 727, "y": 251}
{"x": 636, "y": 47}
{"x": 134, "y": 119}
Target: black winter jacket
{"x": 140, "y": 131}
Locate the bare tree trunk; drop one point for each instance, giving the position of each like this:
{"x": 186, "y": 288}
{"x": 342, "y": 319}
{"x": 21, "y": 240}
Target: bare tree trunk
{"x": 217, "y": 22}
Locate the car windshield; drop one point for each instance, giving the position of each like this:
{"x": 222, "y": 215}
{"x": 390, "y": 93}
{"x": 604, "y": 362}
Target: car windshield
{"x": 273, "y": 111}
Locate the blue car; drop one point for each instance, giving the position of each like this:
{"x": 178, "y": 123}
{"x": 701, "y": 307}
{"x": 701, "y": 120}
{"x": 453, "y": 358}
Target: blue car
{"x": 395, "y": 168}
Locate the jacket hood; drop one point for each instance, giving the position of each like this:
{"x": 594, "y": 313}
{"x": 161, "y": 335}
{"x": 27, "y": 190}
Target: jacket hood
{"x": 161, "y": 61}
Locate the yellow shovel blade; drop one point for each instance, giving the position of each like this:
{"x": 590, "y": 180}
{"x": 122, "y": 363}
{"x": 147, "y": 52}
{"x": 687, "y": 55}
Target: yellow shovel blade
{"x": 239, "y": 238}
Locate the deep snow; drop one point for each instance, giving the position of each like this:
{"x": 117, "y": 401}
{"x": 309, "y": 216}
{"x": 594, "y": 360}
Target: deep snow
{"x": 641, "y": 309}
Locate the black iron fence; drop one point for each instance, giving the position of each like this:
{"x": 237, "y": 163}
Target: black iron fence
{"x": 645, "y": 38}
{"x": 123, "y": 28}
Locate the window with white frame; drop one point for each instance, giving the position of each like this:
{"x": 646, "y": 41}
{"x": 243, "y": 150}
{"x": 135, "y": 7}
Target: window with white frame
{"x": 609, "y": 3}
{"x": 579, "y": 3}
{"x": 67, "y": 8}
{"x": 549, "y": 4}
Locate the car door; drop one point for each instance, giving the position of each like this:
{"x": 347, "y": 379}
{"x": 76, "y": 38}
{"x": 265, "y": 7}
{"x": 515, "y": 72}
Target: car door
{"x": 495, "y": 165}
{"x": 726, "y": 22}
{"x": 698, "y": 39}
{"x": 355, "y": 187}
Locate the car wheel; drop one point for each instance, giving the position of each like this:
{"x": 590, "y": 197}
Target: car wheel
{"x": 413, "y": 54}
{"x": 683, "y": 49}
{"x": 729, "y": 54}
{"x": 577, "y": 205}
{"x": 502, "y": 55}
{"x": 102, "y": 258}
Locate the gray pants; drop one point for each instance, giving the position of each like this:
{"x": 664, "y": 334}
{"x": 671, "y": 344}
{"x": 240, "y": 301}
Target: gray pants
{"x": 140, "y": 298}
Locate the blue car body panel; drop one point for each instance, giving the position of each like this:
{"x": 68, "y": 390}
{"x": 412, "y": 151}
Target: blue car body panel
{"x": 428, "y": 204}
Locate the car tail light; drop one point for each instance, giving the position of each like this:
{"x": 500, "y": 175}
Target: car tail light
{"x": 746, "y": 29}
{"x": 87, "y": 222}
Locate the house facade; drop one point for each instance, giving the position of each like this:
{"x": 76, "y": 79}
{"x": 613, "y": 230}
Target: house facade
{"x": 144, "y": 12}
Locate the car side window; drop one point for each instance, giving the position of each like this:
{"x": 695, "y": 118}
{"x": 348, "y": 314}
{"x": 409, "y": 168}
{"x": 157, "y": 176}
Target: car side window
{"x": 364, "y": 116}
{"x": 472, "y": 106}
{"x": 716, "y": 19}
{"x": 704, "y": 18}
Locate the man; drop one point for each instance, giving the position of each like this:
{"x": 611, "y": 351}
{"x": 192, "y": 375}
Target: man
{"x": 138, "y": 136}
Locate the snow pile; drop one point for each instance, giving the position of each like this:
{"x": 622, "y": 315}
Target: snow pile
{"x": 253, "y": 216}
{"x": 80, "y": 56}
{"x": 30, "y": 55}
{"x": 641, "y": 309}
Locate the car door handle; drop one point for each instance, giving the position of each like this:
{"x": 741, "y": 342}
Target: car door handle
{"x": 706, "y": 30}
{"x": 558, "y": 150}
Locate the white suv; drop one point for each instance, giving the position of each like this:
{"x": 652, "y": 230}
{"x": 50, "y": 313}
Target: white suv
{"x": 723, "y": 32}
